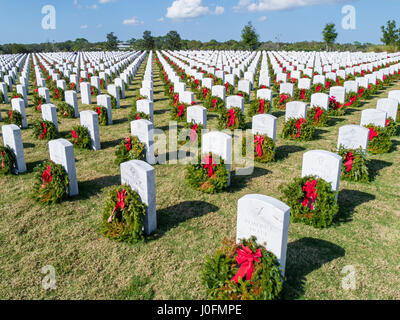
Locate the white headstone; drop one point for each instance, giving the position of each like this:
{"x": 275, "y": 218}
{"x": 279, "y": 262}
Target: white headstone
{"x": 49, "y": 113}
{"x": 320, "y": 100}
{"x": 72, "y": 99}
{"x": 12, "y": 137}
{"x": 353, "y": 137}
{"x": 373, "y": 116}
{"x": 235, "y": 101}
{"x": 264, "y": 124}
{"x": 144, "y": 130}
{"x": 90, "y": 120}
{"x": 390, "y": 106}
{"x": 197, "y": 114}
{"x": 18, "y": 104}
{"x": 86, "y": 97}
{"x": 296, "y": 110}
{"x": 104, "y": 100}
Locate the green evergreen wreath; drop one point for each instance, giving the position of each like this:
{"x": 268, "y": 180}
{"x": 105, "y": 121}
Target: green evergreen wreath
{"x": 103, "y": 116}
{"x": 188, "y": 126}
{"x": 230, "y": 89}
{"x": 352, "y": 100}
{"x": 225, "y": 119}
{"x": 113, "y": 102}
{"x": 16, "y": 95}
{"x": 50, "y": 183}
{"x": 38, "y": 101}
{"x": 318, "y": 88}
{"x": 298, "y": 95}
{"x": 318, "y": 213}
{"x": 298, "y": 129}
{"x": 214, "y": 104}
{"x": 379, "y": 140}
{"x": 57, "y": 94}
{"x": 218, "y": 273}
{"x": 267, "y": 151}
{"x": 135, "y": 115}
{"x": 203, "y": 93}
{"x": 280, "y": 101}
{"x": 94, "y": 91}
{"x": 123, "y": 215}
{"x": 392, "y": 128}
{"x": 44, "y": 130}
{"x": 336, "y": 109}
{"x": 255, "y": 107}
{"x": 80, "y": 137}
{"x": 14, "y": 117}
{"x": 65, "y": 110}
{"x": 244, "y": 95}
{"x": 7, "y": 160}
{"x": 354, "y": 165}
{"x": 177, "y": 114}
{"x": 199, "y": 177}
{"x": 136, "y": 99}
{"x": 130, "y": 149}
{"x": 318, "y": 117}
{"x": 1, "y": 98}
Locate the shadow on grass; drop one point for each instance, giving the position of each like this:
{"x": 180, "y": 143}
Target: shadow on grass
{"x": 92, "y": 187}
{"x": 160, "y": 111}
{"x": 283, "y": 152}
{"x": 334, "y": 121}
{"x": 110, "y": 144}
{"x": 303, "y": 257}
{"x": 319, "y": 132}
{"x": 120, "y": 121}
{"x": 171, "y": 217}
{"x": 31, "y": 165}
{"x": 395, "y": 143}
{"x": 28, "y": 145}
{"x": 375, "y": 166}
{"x": 278, "y": 113}
{"x": 240, "y": 179}
{"x": 348, "y": 200}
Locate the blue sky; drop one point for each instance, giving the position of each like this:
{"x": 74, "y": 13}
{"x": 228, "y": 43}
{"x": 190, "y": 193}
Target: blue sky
{"x": 288, "y": 20}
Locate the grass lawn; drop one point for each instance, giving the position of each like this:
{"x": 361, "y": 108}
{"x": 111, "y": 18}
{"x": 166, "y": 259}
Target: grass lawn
{"x": 191, "y": 224}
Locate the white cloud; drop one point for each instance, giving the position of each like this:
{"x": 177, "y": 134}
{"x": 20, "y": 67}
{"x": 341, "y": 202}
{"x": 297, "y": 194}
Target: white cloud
{"x": 106, "y": 1}
{"x": 93, "y": 7}
{"x": 133, "y": 21}
{"x": 275, "y": 5}
{"x": 161, "y": 19}
{"x": 85, "y": 26}
{"x": 99, "y": 25}
{"x": 262, "y": 19}
{"x": 187, "y": 9}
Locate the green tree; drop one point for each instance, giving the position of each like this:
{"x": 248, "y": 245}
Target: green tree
{"x": 148, "y": 41}
{"x": 112, "y": 41}
{"x": 390, "y": 34}
{"x": 173, "y": 41}
{"x": 250, "y": 37}
{"x": 329, "y": 33}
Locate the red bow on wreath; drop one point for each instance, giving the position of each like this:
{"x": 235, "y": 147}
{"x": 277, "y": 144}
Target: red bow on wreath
{"x": 75, "y": 136}
{"x": 231, "y": 114}
{"x": 349, "y": 161}
{"x": 260, "y": 141}
{"x": 2, "y": 160}
{"x": 98, "y": 110}
{"x": 283, "y": 98}
{"x": 360, "y": 92}
{"x": 372, "y": 133}
{"x": 311, "y": 194}
{"x": 205, "y": 92}
{"x": 171, "y": 88}
{"x": 352, "y": 100}
{"x": 338, "y": 82}
{"x": 303, "y": 94}
{"x": 318, "y": 114}
{"x": 299, "y": 123}
{"x": 128, "y": 144}
{"x": 181, "y": 109}
{"x": 176, "y": 99}
{"x": 240, "y": 94}
{"x": 214, "y": 103}
{"x": 328, "y": 85}
{"x": 138, "y": 116}
{"x": 120, "y": 204}
{"x": 10, "y": 114}
{"x": 208, "y": 164}
{"x": 318, "y": 88}
{"x": 193, "y": 133}
{"x": 245, "y": 259}
{"x": 226, "y": 86}
{"x": 46, "y": 177}
{"x": 73, "y": 85}
{"x": 261, "y": 106}
{"x": 44, "y": 131}
{"x": 57, "y": 94}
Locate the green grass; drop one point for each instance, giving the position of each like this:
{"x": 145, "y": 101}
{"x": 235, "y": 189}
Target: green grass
{"x": 191, "y": 224}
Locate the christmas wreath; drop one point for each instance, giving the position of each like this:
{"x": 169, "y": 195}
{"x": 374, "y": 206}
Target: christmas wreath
{"x": 354, "y": 164}
{"x": 80, "y": 137}
{"x": 1, "y": 98}
{"x": 281, "y": 100}
{"x": 298, "y": 129}
{"x": 94, "y": 91}
{"x": 259, "y": 106}
{"x": 103, "y": 116}
{"x": 57, "y": 94}
{"x": 174, "y": 100}
{"x": 38, "y": 101}
{"x": 113, "y": 102}
{"x": 244, "y": 95}
{"x": 229, "y": 89}
{"x": 335, "y": 108}
{"x": 231, "y": 119}
{"x": 244, "y": 271}
{"x": 195, "y": 133}
{"x": 318, "y": 117}
{"x": 123, "y": 215}
{"x": 135, "y": 115}
{"x": 264, "y": 148}
{"x": 302, "y": 94}
{"x": 207, "y": 176}
{"x": 44, "y": 130}
{"x": 392, "y": 128}
{"x": 203, "y": 94}
{"x": 130, "y": 149}
{"x": 214, "y": 104}
{"x": 50, "y": 183}
{"x": 65, "y": 110}
{"x": 8, "y": 160}
{"x": 318, "y": 88}
{"x": 352, "y": 99}
{"x": 311, "y": 201}
{"x": 379, "y": 140}
{"x": 178, "y": 112}
{"x": 14, "y": 117}
{"x": 16, "y": 95}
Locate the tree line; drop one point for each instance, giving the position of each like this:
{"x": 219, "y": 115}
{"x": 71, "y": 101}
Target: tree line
{"x": 249, "y": 41}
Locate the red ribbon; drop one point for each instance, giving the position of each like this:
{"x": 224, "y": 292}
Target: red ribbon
{"x": 214, "y": 102}
{"x": 193, "y": 133}
{"x": 318, "y": 113}
{"x": 303, "y": 94}
{"x": 176, "y": 99}
{"x": 318, "y": 88}
{"x": 2, "y": 160}
{"x": 181, "y": 109}
{"x": 338, "y": 82}
{"x": 261, "y": 106}
{"x": 298, "y": 126}
{"x": 231, "y": 114}
{"x": 46, "y": 177}
{"x": 328, "y": 85}
{"x": 360, "y": 92}
{"x": 44, "y": 131}
{"x": 352, "y": 100}
{"x": 260, "y": 141}
{"x": 245, "y": 259}
{"x": 10, "y": 114}
{"x": 283, "y": 98}
{"x": 372, "y": 133}
{"x": 75, "y": 136}
{"x": 208, "y": 164}
{"x": 98, "y": 110}
{"x": 128, "y": 144}
{"x": 120, "y": 204}
{"x": 311, "y": 194}
{"x": 349, "y": 161}
{"x": 57, "y": 94}
{"x": 240, "y": 94}
{"x": 205, "y": 92}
